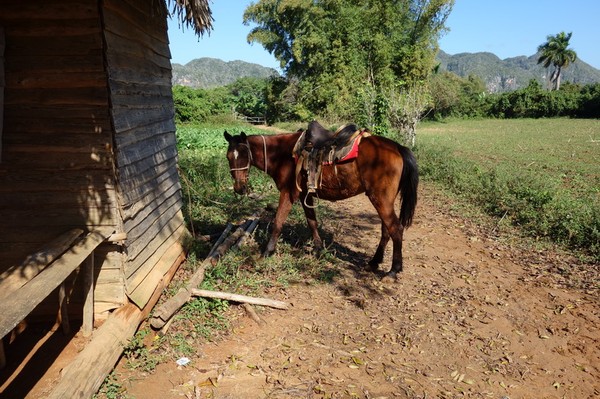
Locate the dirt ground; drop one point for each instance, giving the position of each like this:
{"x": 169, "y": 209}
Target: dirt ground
{"x": 473, "y": 315}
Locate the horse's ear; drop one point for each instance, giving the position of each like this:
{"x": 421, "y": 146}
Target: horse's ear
{"x": 243, "y": 135}
{"x": 227, "y": 136}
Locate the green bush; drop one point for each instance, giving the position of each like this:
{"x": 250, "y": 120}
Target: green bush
{"x": 453, "y": 96}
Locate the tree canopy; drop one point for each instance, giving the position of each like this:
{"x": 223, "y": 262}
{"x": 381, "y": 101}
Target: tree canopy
{"x": 341, "y": 57}
{"x": 555, "y": 52}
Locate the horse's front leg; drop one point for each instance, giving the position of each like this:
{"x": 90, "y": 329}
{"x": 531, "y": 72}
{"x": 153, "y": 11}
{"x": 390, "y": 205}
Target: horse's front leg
{"x": 311, "y": 220}
{"x": 283, "y": 210}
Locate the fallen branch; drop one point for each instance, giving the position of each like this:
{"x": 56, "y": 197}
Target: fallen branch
{"x": 240, "y": 298}
{"x": 247, "y": 232}
{"x": 252, "y": 313}
{"x": 220, "y": 239}
{"x": 164, "y": 312}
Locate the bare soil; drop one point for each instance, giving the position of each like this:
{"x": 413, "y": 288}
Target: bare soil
{"x": 473, "y": 315}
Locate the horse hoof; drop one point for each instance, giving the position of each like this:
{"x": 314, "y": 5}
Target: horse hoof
{"x": 374, "y": 267}
{"x": 390, "y": 277}
{"x": 266, "y": 254}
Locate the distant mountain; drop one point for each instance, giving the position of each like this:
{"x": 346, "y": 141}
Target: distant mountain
{"x": 498, "y": 75}
{"x": 207, "y": 72}
{"x": 512, "y": 73}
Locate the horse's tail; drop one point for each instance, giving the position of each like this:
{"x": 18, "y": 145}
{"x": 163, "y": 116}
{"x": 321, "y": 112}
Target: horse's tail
{"x": 409, "y": 183}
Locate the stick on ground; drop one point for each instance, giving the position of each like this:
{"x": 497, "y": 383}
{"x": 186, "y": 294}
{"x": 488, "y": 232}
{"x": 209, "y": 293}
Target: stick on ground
{"x": 164, "y": 312}
{"x": 241, "y": 298}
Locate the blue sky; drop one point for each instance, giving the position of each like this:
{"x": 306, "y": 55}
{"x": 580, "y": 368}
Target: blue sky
{"x": 507, "y": 28}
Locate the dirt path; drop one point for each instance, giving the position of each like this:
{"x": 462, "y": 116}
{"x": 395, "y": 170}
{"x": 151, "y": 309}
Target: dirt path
{"x": 470, "y": 317}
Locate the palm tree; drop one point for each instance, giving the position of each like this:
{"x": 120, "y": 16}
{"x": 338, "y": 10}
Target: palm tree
{"x": 555, "y": 52}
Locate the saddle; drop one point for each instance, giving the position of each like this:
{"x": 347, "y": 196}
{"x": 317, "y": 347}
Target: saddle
{"x": 318, "y": 146}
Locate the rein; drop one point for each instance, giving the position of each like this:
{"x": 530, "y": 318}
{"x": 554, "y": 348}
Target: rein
{"x": 250, "y": 159}
{"x": 264, "y": 151}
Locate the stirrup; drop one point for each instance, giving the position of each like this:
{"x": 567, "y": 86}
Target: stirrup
{"x": 316, "y": 199}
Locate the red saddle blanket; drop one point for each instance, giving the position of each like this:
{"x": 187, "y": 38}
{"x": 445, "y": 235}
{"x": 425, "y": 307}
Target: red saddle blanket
{"x": 348, "y": 152}
{"x": 335, "y": 155}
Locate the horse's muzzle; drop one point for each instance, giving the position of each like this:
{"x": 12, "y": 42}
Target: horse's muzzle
{"x": 241, "y": 189}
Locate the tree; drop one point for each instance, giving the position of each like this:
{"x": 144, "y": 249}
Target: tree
{"x": 248, "y": 96}
{"x": 556, "y": 52}
{"x": 343, "y": 55}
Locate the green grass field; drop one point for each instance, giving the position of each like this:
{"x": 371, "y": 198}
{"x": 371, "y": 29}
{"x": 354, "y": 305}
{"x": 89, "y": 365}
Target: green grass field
{"x": 541, "y": 174}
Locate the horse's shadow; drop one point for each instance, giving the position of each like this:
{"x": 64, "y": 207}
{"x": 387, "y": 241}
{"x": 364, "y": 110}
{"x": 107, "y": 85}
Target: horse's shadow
{"x": 361, "y": 284}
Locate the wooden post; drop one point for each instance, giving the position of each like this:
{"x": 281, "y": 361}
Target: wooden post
{"x": 2, "y": 355}
{"x": 63, "y": 310}
{"x": 88, "y": 291}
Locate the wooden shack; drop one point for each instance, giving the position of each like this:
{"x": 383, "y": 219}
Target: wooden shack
{"x": 87, "y": 139}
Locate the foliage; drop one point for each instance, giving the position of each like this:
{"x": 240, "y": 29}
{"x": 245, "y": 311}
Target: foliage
{"x": 555, "y": 52}
{"x": 246, "y": 96}
{"x": 340, "y": 55}
{"x": 539, "y": 174}
{"x": 534, "y": 102}
{"x": 456, "y": 97}
{"x": 111, "y": 388}
{"x": 249, "y": 96}
{"x": 453, "y": 96}
{"x": 405, "y": 109}
{"x": 141, "y": 356}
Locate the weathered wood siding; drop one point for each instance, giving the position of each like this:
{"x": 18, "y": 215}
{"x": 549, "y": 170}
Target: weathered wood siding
{"x": 56, "y": 169}
{"x": 139, "y": 70}
{"x": 57, "y": 164}
{"x": 88, "y": 137}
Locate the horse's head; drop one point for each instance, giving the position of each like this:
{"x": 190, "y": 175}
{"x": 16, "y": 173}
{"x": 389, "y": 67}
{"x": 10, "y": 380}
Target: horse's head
{"x": 240, "y": 159}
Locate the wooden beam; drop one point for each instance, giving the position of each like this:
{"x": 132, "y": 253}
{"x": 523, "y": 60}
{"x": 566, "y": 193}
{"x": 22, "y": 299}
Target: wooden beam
{"x": 63, "y": 311}
{"x": 83, "y": 377}
{"x": 16, "y": 307}
{"x": 16, "y": 276}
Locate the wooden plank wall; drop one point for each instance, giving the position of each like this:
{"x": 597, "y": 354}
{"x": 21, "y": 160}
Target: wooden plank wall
{"x": 2, "y": 43}
{"x": 57, "y": 164}
{"x": 138, "y": 59}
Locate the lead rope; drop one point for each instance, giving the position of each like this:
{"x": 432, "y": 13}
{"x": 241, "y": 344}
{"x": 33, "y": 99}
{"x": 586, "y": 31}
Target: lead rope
{"x": 265, "y": 151}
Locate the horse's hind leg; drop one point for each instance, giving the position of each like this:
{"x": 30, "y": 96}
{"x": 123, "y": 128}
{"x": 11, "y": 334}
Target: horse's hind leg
{"x": 395, "y": 231}
{"x": 378, "y": 257}
{"x": 397, "y": 255}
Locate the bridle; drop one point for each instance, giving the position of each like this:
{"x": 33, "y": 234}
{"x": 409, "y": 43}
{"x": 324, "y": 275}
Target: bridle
{"x": 250, "y": 159}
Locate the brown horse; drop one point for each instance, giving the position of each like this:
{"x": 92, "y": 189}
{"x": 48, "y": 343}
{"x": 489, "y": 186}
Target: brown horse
{"x": 382, "y": 169}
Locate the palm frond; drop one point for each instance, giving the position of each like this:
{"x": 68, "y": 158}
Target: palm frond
{"x": 195, "y": 14}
